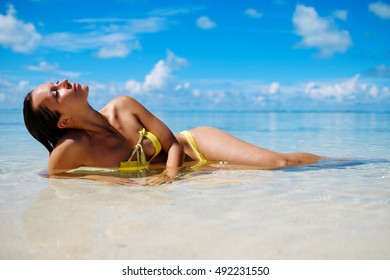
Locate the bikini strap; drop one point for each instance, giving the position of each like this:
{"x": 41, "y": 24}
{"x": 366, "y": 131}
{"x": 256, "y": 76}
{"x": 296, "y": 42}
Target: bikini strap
{"x": 139, "y": 151}
{"x": 156, "y": 143}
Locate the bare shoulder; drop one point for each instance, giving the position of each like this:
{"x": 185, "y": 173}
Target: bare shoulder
{"x": 123, "y": 102}
{"x": 71, "y": 152}
{"x": 124, "y": 106}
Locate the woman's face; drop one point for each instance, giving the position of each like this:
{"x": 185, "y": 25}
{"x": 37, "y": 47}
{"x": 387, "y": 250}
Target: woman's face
{"x": 63, "y": 96}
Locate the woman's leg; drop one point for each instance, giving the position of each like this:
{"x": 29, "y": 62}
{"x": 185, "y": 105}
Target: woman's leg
{"x": 217, "y": 145}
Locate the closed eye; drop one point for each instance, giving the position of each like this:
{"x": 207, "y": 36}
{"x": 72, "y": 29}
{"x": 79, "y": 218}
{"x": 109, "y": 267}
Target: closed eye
{"x": 54, "y": 92}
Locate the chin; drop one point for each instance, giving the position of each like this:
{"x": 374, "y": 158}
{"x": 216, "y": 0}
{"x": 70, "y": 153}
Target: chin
{"x": 85, "y": 89}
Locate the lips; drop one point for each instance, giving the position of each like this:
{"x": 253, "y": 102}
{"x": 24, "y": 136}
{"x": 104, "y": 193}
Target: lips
{"x": 75, "y": 85}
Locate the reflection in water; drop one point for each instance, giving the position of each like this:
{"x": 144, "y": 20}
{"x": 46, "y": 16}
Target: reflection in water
{"x": 336, "y": 164}
{"x": 60, "y": 224}
{"x": 331, "y": 210}
{"x": 218, "y": 211}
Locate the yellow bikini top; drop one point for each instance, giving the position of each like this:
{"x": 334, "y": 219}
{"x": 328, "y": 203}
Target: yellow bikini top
{"x": 141, "y": 162}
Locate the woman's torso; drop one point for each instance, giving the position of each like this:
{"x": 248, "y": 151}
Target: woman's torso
{"x": 108, "y": 150}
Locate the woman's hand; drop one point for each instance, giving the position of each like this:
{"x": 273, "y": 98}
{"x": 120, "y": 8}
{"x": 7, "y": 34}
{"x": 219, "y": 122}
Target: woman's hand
{"x": 157, "y": 180}
{"x": 112, "y": 180}
{"x": 166, "y": 177}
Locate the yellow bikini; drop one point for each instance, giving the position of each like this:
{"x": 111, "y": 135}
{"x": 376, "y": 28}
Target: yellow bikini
{"x": 191, "y": 141}
{"x": 141, "y": 162}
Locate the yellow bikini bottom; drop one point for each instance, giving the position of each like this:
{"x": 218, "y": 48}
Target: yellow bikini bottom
{"x": 191, "y": 141}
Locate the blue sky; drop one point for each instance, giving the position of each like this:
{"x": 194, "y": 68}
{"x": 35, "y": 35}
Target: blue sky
{"x": 194, "y": 55}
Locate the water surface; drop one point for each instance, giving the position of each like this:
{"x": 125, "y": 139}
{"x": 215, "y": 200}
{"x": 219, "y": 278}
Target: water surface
{"x": 336, "y": 209}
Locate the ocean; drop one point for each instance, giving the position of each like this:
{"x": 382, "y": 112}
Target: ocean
{"x": 336, "y": 209}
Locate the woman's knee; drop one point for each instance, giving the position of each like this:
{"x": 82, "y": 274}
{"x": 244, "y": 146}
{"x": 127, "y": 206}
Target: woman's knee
{"x": 282, "y": 161}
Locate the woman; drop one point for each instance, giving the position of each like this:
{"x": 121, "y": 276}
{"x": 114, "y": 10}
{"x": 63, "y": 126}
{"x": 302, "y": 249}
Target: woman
{"x": 124, "y": 134}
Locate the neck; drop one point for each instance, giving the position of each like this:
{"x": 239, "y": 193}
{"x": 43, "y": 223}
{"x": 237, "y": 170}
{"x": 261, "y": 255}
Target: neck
{"x": 93, "y": 122}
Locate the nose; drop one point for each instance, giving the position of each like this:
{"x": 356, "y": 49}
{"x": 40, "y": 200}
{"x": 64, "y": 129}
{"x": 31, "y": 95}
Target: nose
{"x": 64, "y": 83}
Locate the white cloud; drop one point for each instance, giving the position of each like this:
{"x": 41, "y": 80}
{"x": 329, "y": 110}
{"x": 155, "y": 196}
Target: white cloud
{"x": 108, "y": 45}
{"x": 216, "y": 96}
{"x": 125, "y": 25}
{"x": 274, "y": 88}
{"x": 337, "y": 91}
{"x": 170, "y": 12}
{"x": 5, "y": 83}
{"x": 69, "y": 74}
{"x": 159, "y": 92}
{"x": 374, "y": 91}
{"x": 380, "y": 9}
{"x": 111, "y": 37}
{"x": 114, "y": 50}
{"x": 183, "y": 86}
{"x": 317, "y": 32}
{"x": 340, "y": 14}
{"x": 44, "y": 66}
{"x": 350, "y": 93}
{"x": 205, "y": 23}
{"x": 159, "y": 76}
{"x": 134, "y": 87}
{"x": 13, "y": 92}
{"x": 16, "y": 34}
{"x": 145, "y": 25}
{"x": 253, "y": 13}
{"x": 196, "y": 93}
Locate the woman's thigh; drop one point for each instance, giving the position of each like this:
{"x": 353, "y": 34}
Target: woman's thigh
{"x": 217, "y": 145}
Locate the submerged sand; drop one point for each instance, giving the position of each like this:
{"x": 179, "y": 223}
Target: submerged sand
{"x": 226, "y": 214}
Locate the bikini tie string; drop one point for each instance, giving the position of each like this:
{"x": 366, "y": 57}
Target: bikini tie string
{"x": 139, "y": 151}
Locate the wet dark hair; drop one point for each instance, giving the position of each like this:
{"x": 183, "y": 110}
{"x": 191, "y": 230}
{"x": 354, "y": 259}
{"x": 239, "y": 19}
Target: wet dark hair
{"x": 42, "y": 123}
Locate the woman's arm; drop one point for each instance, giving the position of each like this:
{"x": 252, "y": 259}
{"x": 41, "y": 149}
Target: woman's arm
{"x": 68, "y": 154}
{"x": 168, "y": 141}
{"x": 105, "y": 179}
{"x": 71, "y": 155}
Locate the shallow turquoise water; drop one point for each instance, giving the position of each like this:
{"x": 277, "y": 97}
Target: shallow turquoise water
{"x": 335, "y": 209}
